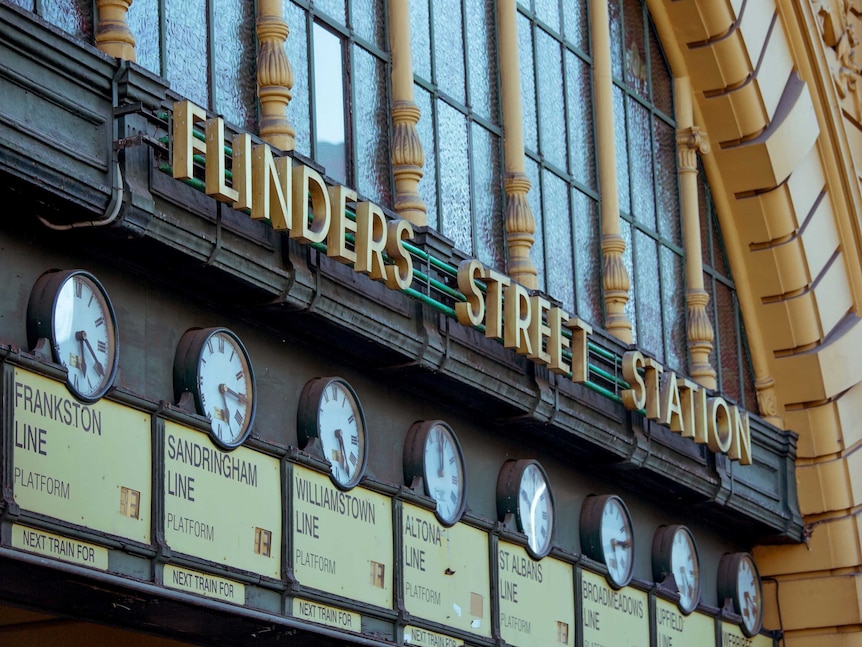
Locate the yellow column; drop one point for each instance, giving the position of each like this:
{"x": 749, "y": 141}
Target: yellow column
{"x": 690, "y": 141}
{"x": 274, "y": 76}
{"x": 520, "y": 224}
{"x": 407, "y": 155}
{"x": 113, "y": 35}
{"x": 614, "y": 274}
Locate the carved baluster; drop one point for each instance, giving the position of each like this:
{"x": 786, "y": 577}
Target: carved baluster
{"x": 274, "y": 76}
{"x": 615, "y": 276}
{"x": 520, "y": 224}
{"x": 407, "y": 154}
{"x": 113, "y": 35}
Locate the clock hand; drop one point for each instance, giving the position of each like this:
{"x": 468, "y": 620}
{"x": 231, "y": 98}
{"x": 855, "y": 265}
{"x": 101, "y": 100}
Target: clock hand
{"x": 242, "y": 398}
{"x": 222, "y": 389}
{"x": 82, "y": 335}
{"x": 341, "y": 456}
{"x": 442, "y": 471}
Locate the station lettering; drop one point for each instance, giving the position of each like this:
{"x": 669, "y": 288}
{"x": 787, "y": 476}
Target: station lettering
{"x": 212, "y": 460}
{"x": 42, "y": 483}
{"x": 57, "y": 409}
{"x": 729, "y": 639}
{"x": 423, "y": 593}
{"x": 203, "y": 583}
{"x": 192, "y": 527}
{"x": 315, "y": 562}
{"x": 617, "y": 600}
{"x": 31, "y": 438}
{"x": 334, "y": 500}
{"x": 520, "y": 565}
{"x": 59, "y": 546}
{"x": 325, "y": 615}
{"x": 423, "y": 638}
{"x": 671, "y": 619}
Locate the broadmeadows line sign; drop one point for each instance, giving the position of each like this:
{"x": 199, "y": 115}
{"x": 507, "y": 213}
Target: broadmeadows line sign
{"x": 280, "y": 190}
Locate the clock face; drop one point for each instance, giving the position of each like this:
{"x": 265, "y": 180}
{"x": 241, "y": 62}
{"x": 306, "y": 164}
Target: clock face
{"x": 535, "y": 510}
{"x": 339, "y": 424}
{"x": 617, "y": 541}
{"x": 82, "y": 329}
{"x": 748, "y": 594}
{"x": 685, "y": 568}
{"x": 226, "y": 387}
{"x": 443, "y": 465}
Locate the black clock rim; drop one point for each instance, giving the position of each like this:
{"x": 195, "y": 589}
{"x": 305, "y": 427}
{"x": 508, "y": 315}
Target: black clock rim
{"x": 414, "y": 463}
{"x": 41, "y": 311}
{"x": 511, "y": 474}
{"x": 590, "y": 526}
{"x": 728, "y": 578}
{"x": 662, "y": 568}
{"x": 186, "y": 371}
{"x": 308, "y": 423}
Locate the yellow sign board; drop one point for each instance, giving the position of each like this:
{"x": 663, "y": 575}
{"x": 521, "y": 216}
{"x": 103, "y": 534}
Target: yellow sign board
{"x": 537, "y": 601}
{"x": 222, "y": 506}
{"x": 87, "y": 464}
{"x": 446, "y": 572}
{"x": 326, "y": 615}
{"x": 732, "y": 636}
{"x": 57, "y": 547}
{"x": 424, "y": 638}
{"x": 185, "y": 579}
{"x": 613, "y": 618}
{"x": 342, "y": 541}
{"x": 673, "y": 629}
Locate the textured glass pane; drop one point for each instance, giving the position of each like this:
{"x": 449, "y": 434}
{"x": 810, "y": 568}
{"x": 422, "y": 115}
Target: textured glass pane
{"x": 528, "y": 84}
{"x": 27, "y": 4}
{"x": 186, "y": 49}
{"x": 449, "y": 49}
{"x": 335, "y": 9}
{"x": 580, "y": 114}
{"x": 749, "y": 401}
{"x": 143, "y": 21}
{"x": 648, "y": 296}
{"x": 534, "y": 198}
{"x": 369, "y": 21}
{"x": 729, "y": 358}
{"x": 488, "y": 199}
{"x": 236, "y": 73}
{"x": 662, "y": 82}
{"x": 481, "y": 57}
{"x": 666, "y": 182}
{"x": 575, "y": 24}
{"x": 425, "y": 128}
{"x": 616, "y": 28}
{"x": 621, "y": 138}
{"x": 588, "y": 258}
{"x": 73, "y": 16}
{"x": 548, "y": 11}
{"x": 674, "y": 309}
{"x": 635, "y": 47}
{"x": 558, "y": 240}
{"x": 626, "y": 233}
{"x": 329, "y": 104}
{"x": 454, "y": 177}
{"x": 296, "y": 46}
{"x": 552, "y": 114}
{"x": 641, "y": 164}
{"x": 526, "y": 4}
{"x": 420, "y": 38}
{"x": 371, "y": 128}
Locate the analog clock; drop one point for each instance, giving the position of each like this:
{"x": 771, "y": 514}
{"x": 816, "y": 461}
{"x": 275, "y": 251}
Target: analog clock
{"x": 675, "y": 554}
{"x": 72, "y": 311}
{"x": 330, "y": 417}
{"x": 739, "y": 580}
{"x": 432, "y": 452}
{"x": 523, "y": 490}
{"x": 607, "y": 536}
{"x": 213, "y": 365}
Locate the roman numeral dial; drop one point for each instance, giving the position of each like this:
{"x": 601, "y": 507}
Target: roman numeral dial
{"x": 331, "y": 421}
{"x": 213, "y": 364}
